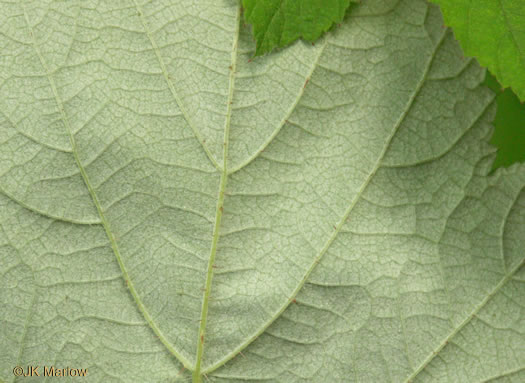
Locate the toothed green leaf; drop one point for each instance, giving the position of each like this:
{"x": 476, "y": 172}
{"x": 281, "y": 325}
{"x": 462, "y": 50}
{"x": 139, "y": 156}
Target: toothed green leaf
{"x": 509, "y": 123}
{"x": 278, "y": 23}
{"x": 493, "y": 32}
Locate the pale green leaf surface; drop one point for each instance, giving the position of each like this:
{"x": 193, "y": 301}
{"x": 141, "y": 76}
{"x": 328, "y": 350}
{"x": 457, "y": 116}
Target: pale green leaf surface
{"x": 492, "y": 31}
{"x": 138, "y": 143}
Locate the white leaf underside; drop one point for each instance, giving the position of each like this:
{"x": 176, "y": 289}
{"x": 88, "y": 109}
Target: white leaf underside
{"x": 337, "y": 194}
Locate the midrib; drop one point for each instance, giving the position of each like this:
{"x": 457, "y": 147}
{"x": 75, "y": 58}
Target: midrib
{"x": 197, "y": 378}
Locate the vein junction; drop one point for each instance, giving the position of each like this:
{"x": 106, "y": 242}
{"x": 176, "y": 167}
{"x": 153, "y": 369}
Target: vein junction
{"x": 219, "y": 210}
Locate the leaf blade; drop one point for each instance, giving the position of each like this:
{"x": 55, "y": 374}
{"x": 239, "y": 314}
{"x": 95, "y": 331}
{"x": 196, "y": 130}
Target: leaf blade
{"x": 350, "y": 136}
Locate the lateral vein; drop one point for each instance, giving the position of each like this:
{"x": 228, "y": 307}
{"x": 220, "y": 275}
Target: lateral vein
{"x": 346, "y": 214}
{"x": 465, "y": 321}
{"x": 172, "y": 88}
{"x": 476, "y": 309}
{"x": 286, "y": 116}
{"x": 98, "y": 206}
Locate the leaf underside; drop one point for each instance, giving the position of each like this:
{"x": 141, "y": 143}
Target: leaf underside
{"x": 491, "y": 31}
{"x": 170, "y": 209}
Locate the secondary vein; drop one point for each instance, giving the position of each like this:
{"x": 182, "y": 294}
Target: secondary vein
{"x": 346, "y": 214}
{"x": 172, "y": 88}
{"x": 465, "y": 321}
{"x": 476, "y": 309}
{"x": 26, "y": 326}
{"x": 289, "y": 112}
{"x": 98, "y": 206}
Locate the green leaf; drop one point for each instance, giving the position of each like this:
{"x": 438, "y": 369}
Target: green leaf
{"x": 509, "y": 133}
{"x": 278, "y": 23}
{"x": 493, "y": 32}
{"x": 171, "y": 211}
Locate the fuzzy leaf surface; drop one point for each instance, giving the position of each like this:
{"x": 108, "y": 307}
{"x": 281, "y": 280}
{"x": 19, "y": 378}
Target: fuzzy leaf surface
{"x": 169, "y": 209}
